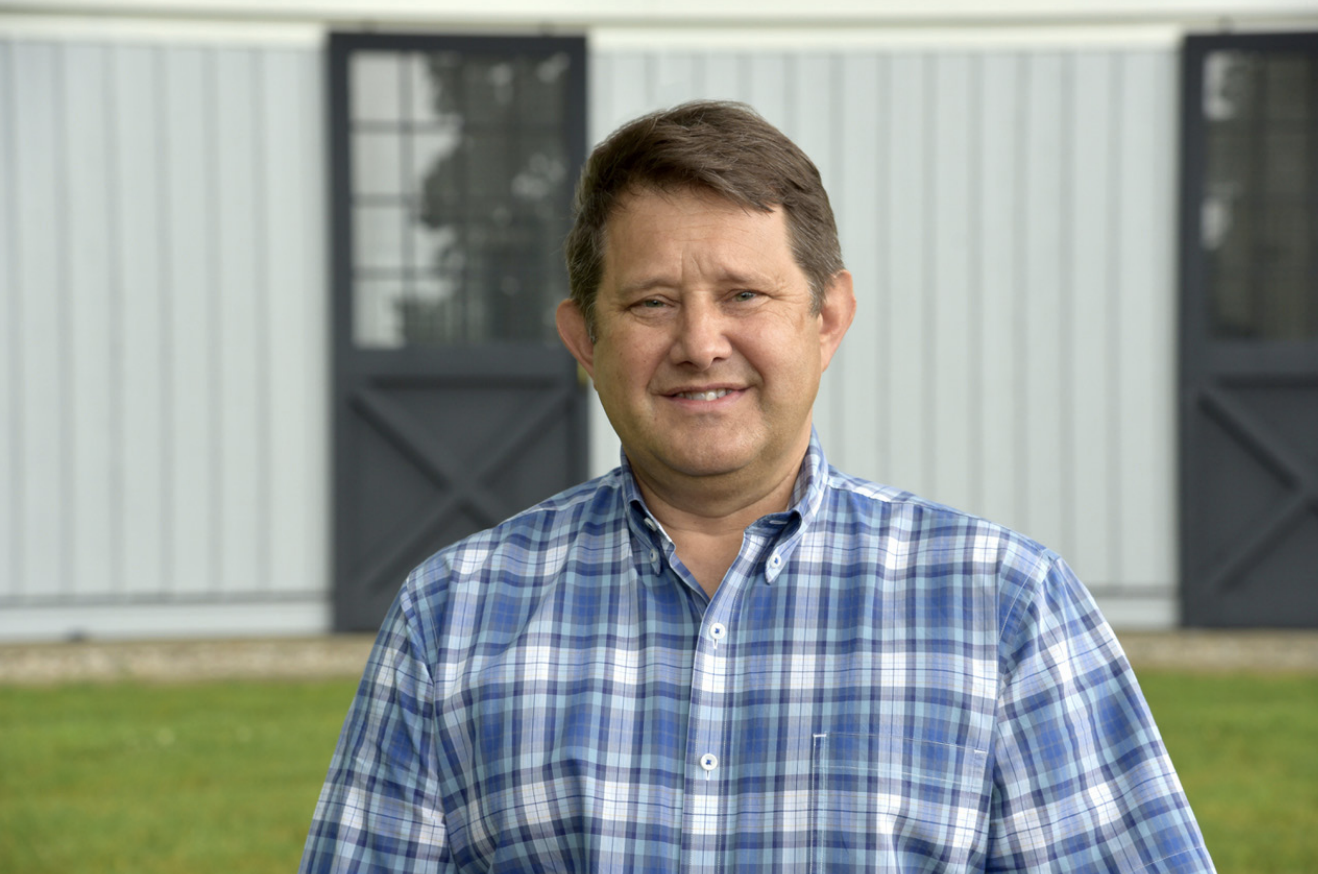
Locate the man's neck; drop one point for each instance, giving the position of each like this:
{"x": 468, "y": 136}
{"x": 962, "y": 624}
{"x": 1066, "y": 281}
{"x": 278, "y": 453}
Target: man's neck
{"x": 707, "y": 517}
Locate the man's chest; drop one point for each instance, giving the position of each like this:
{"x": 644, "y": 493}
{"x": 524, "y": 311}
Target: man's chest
{"x": 640, "y": 739}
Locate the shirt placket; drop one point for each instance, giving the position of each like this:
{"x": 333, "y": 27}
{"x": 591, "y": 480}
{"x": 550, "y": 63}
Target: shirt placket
{"x": 709, "y": 809}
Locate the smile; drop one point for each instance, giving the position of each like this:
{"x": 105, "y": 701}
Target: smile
{"x": 704, "y": 395}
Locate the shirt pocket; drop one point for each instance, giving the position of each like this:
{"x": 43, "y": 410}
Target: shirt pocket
{"x": 886, "y": 803}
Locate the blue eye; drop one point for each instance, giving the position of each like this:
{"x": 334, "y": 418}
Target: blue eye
{"x": 747, "y": 295}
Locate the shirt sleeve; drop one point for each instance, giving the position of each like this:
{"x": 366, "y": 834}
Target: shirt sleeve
{"x": 1082, "y": 781}
{"x": 379, "y": 810}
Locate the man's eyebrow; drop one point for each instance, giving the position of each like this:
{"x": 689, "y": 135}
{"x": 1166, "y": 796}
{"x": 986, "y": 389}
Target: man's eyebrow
{"x": 752, "y": 280}
{"x": 647, "y": 284}
{"x": 725, "y": 277}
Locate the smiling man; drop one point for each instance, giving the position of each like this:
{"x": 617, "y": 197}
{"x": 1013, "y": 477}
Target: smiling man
{"x": 706, "y": 344}
{"x": 725, "y": 654}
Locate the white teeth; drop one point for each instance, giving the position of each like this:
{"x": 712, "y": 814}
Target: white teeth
{"x": 704, "y": 395}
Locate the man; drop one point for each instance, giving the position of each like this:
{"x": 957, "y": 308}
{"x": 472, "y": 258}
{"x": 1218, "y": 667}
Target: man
{"x": 726, "y": 655}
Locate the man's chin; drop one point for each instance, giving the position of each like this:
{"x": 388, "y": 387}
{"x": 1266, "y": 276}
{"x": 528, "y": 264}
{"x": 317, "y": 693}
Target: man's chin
{"x": 706, "y": 465}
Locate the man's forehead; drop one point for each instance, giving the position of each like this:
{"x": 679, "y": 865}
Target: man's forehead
{"x": 642, "y": 197}
{"x": 641, "y": 257}
{"x": 638, "y": 204}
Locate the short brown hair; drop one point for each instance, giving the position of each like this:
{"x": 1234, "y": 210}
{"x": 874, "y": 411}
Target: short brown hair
{"x": 724, "y": 148}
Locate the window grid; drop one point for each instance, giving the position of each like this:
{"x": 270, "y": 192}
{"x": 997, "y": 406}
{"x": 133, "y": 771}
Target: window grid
{"x": 466, "y": 249}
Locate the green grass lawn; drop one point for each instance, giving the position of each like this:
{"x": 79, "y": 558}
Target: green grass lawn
{"x": 216, "y": 777}
{"x": 1246, "y": 749}
{"x": 222, "y": 777}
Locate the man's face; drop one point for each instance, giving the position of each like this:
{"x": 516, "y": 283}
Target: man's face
{"x": 707, "y": 355}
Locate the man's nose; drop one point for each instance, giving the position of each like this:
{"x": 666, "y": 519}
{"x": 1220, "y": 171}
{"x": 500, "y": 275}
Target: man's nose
{"x": 702, "y": 336}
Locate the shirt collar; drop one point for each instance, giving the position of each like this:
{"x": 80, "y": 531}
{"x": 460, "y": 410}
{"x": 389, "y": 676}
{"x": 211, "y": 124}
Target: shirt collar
{"x": 811, "y": 482}
{"x": 807, "y": 492}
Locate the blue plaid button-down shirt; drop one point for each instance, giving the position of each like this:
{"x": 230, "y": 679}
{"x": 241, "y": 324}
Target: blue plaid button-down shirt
{"x": 880, "y": 683}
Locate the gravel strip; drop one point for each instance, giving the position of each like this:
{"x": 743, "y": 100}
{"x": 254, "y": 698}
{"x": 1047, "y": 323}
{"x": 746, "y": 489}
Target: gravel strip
{"x": 185, "y": 661}
{"x": 1224, "y": 651}
{"x": 345, "y": 655}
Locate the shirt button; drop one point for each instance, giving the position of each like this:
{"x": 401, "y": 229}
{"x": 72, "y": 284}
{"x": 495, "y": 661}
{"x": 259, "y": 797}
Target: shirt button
{"x": 718, "y": 631}
{"x": 709, "y": 761}
{"x": 649, "y": 523}
{"x": 654, "y": 556}
{"x": 775, "y": 561}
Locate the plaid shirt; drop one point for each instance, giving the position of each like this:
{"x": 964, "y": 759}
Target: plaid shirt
{"x": 880, "y": 683}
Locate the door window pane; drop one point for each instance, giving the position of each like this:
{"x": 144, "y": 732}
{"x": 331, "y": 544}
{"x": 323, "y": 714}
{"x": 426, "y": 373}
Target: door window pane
{"x": 377, "y": 162}
{"x": 378, "y": 243}
{"x": 373, "y": 79}
{"x": 461, "y": 194}
{"x": 1258, "y": 224}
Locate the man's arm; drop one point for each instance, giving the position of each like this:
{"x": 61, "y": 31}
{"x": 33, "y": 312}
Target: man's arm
{"x": 1082, "y": 781}
{"x": 379, "y": 810}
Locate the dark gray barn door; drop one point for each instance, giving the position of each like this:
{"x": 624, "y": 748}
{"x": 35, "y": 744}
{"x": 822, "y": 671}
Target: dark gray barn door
{"x": 454, "y": 404}
{"x": 1249, "y": 344}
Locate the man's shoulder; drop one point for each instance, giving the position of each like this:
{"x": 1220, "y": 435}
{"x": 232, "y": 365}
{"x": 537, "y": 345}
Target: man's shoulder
{"x": 532, "y": 536}
{"x": 931, "y": 546}
{"x": 935, "y": 527}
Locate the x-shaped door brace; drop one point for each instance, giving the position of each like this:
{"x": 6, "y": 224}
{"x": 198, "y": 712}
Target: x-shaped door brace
{"x": 1296, "y": 473}
{"x": 462, "y": 478}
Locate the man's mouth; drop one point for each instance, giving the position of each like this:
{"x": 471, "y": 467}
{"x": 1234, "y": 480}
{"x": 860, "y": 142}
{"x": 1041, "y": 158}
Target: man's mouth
{"x": 704, "y": 395}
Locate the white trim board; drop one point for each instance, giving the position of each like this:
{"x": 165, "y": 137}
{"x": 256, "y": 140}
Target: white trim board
{"x": 169, "y": 31}
{"x": 695, "y": 12}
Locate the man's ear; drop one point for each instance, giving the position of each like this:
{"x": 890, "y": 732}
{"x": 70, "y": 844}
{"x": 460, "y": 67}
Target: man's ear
{"x": 835, "y": 316}
{"x": 576, "y": 337}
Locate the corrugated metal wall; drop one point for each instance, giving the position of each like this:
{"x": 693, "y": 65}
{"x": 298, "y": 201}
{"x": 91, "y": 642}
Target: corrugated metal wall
{"x": 163, "y": 382}
{"x": 1008, "y": 215}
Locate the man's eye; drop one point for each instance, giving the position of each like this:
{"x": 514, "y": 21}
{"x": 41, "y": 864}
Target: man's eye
{"x": 652, "y": 303}
{"x": 747, "y": 295}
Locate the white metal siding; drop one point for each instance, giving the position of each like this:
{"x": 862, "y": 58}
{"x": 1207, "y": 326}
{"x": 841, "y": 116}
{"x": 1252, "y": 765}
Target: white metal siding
{"x": 164, "y": 381}
{"x": 1009, "y": 218}
{"x": 1008, "y": 215}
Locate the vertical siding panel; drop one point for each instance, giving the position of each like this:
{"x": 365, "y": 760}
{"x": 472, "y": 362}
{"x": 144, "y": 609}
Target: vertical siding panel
{"x": 721, "y": 77}
{"x": 814, "y": 123}
{"x": 315, "y": 455}
{"x": 91, "y": 357}
{"x": 260, "y": 315}
{"x": 140, "y": 234}
{"x": 1147, "y": 282}
{"x": 193, "y": 420}
{"x": 769, "y": 85}
{"x": 622, "y": 98}
{"x": 240, "y": 288}
{"x": 1091, "y": 288}
{"x": 608, "y": 74}
{"x": 10, "y": 445}
{"x": 626, "y": 95}
{"x": 40, "y": 292}
{"x": 295, "y": 311}
{"x": 674, "y": 81}
{"x": 816, "y": 126}
{"x": 998, "y": 432}
{"x": 857, "y": 376}
{"x": 906, "y": 330}
{"x": 1044, "y": 305}
{"x": 949, "y": 303}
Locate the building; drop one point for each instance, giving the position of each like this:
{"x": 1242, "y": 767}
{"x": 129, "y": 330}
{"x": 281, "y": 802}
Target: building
{"x": 243, "y": 359}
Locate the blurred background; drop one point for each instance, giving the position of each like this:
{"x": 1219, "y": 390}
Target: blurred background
{"x": 279, "y": 278}
{"x": 276, "y": 292}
